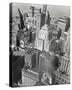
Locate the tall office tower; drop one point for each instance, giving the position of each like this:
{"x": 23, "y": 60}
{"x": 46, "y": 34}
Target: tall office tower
{"x": 67, "y": 44}
{"x": 35, "y": 14}
{"x": 43, "y": 15}
{"x": 32, "y": 11}
{"x": 48, "y": 18}
{"x": 21, "y": 19}
{"x": 44, "y": 39}
{"x": 64, "y": 24}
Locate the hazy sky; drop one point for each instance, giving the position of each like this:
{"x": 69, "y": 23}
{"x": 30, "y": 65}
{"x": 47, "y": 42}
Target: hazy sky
{"x": 55, "y": 11}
